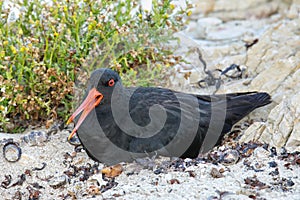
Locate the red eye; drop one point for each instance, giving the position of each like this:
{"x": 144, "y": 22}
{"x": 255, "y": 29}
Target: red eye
{"x": 111, "y": 82}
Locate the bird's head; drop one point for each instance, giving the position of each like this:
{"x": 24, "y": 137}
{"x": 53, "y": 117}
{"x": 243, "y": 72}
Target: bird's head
{"x": 101, "y": 85}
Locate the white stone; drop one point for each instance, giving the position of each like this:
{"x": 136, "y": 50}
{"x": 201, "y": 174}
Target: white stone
{"x": 203, "y": 7}
{"x": 261, "y": 154}
{"x": 294, "y": 11}
{"x": 283, "y": 125}
{"x": 253, "y": 133}
{"x": 199, "y": 30}
{"x": 224, "y": 5}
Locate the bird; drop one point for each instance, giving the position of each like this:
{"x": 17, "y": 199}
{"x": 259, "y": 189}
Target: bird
{"x": 120, "y": 124}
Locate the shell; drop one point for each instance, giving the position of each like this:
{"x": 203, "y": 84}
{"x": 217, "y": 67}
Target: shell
{"x": 59, "y": 181}
{"x": 230, "y": 157}
{"x": 12, "y": 152}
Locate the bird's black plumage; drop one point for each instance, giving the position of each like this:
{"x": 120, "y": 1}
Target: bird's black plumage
{"x": 134, "y": 122}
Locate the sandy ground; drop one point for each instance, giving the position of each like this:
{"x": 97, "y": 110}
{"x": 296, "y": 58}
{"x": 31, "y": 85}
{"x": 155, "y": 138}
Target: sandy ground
{"x": 72, "y": 175}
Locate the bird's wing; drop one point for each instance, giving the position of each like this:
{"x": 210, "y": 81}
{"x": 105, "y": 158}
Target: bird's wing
{"x": 168, "y": 116}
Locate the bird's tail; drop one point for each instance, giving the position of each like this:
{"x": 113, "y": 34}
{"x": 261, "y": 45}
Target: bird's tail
{"x": 241, "y": 104}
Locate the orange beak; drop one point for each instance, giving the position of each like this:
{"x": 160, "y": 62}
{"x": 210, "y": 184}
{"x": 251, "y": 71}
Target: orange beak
{"x": 92, "y": 100}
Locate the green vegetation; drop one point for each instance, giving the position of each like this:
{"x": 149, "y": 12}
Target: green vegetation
{"x": 51, "y": 46}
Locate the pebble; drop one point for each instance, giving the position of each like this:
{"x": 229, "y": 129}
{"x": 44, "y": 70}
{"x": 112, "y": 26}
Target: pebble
{"x": 290, "y": 183}
{"x": 59, "y": 181}
{"x": 283, "y": 151}
{"x": 261, "y": 153}
{"x": 35, "y": 138}
{"x": 272, "y": 164}
{"x": 230, "y": 157}
{"x": 274, "y": 173}
{"x": 96, "y": 179}
{"x": 158, "y": 171}
{"x": 215, "y": 173}
{"x": 273, "y": 151}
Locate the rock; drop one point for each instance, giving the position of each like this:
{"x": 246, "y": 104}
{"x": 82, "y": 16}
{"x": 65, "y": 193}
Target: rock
{"x": 112, "y": 171}
{"x": 277, "y": 71}
{"x": 282, "y": 128}
{"x": 289, "y": 87}
{"x": 204, "y": 7}
{"x": 200, "y": 28}
{"x": 59, "y": 181}
{"x": 294, "y": 10}
{"x": 271, "y": 78}
{"x": 96, "y": 179}
{"x": 261, "y": 154}
{"x": 270, "y": 66}
{"x": 224, "y": 5}
{"x": 293, "y": 142}
{"x": 234, "y": 10}
{"x": 205, "y": 24}
{"x": 192, "y": 30}
{"x": 225, "y": 32}
{"x": 271, "y": 46}
{"x": 35, "y": 138}
{"x": 215, "y": 173}
{"x": 257, "y": 11}
{"x": 253, "y": 133}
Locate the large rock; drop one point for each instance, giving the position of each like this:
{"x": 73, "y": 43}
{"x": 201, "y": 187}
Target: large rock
{"x": 282, "y": 127}
{"x": 276, "y": 69}
{"x": 272, "y": 64}
{"x": 235, "y": 10}
{"x": 294, "y": 10}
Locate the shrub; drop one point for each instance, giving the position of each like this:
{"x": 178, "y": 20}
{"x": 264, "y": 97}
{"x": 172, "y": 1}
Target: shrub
{"x": 45, "y": 45}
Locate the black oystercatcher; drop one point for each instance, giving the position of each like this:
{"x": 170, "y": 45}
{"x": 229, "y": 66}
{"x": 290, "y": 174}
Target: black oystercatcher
{"x": 120, "y": 124}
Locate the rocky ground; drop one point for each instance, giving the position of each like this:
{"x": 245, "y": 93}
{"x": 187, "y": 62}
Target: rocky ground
{"x": 249, "y": 46}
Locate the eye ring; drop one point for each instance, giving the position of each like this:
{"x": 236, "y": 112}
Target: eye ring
{"x": 111, "y": 82}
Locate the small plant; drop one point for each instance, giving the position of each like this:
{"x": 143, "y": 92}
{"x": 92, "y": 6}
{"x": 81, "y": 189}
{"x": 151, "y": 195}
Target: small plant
{"x": 45, "y": 46}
